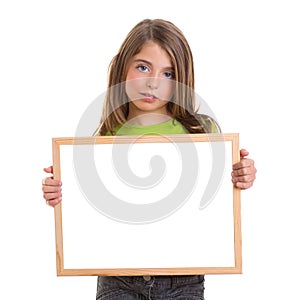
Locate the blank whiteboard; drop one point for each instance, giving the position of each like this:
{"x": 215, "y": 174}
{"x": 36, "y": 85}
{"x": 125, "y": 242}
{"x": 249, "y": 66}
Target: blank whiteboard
{"x": 147, "y": 205}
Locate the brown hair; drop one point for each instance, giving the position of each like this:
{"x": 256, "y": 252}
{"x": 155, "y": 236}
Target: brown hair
{"x": 172, "y": 40}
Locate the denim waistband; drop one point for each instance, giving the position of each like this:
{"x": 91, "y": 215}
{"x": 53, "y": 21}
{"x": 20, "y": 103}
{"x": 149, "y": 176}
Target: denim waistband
{"x": 167, "y": 281}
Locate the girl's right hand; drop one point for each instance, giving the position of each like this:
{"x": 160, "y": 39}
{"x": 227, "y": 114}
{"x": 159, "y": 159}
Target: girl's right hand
{"x": 51, "y": 188}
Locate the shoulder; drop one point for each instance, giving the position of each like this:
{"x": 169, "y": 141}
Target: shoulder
{"x": 209, "y": 124}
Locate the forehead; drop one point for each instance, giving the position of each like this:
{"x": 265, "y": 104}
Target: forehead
{"x": 155, "y": 54}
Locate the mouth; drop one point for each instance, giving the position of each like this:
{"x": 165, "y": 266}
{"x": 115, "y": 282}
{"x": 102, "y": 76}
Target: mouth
{"x": 149, "y": 97}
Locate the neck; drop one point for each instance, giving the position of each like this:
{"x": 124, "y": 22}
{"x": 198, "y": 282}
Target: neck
{"x": 148, "y": 119}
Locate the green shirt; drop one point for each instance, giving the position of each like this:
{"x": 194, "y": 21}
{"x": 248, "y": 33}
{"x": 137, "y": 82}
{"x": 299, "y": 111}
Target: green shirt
{"x": 169, "y": 127}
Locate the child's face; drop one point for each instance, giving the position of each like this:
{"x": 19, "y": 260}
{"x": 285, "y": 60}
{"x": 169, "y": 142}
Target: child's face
{"x": 150, "y": 80}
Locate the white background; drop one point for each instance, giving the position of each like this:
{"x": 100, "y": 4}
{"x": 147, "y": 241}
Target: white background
{"x": 53, "y": 63}
{"x": 160, "y": 243}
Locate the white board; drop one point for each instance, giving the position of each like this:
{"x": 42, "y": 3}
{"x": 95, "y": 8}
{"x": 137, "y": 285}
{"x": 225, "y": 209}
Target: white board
{"x": 142, "y": 231}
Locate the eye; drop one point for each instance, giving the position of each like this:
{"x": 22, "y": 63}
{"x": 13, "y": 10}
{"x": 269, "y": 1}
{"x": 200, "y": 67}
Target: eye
{"x": 169, "y": 75}
{"x": 142, "y": 68}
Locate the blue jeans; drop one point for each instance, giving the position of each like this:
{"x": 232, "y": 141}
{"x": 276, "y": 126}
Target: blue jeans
{"x": 150, "y": 288}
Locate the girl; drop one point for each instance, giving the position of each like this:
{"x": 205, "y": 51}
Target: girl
{"x": 154, "y": 78}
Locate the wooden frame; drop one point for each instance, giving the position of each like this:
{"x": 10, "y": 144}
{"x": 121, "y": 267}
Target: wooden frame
{"x": 211, "y": 138}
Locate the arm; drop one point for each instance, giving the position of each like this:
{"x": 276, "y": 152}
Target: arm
{"x": 244, "y": 172}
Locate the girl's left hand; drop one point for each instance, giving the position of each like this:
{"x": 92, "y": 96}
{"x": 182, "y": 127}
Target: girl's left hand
{"x": 244, "y": 172}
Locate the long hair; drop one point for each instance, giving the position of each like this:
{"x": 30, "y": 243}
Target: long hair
{"x": 171, "y": 39}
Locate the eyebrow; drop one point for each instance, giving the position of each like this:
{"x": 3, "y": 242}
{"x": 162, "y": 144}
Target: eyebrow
{"x": 149, "y": 63}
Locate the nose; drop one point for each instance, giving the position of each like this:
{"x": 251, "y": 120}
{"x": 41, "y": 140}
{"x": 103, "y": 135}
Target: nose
{"x": 152, "y": 83}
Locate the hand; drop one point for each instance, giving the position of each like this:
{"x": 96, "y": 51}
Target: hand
{"x": 51, "y": 189}
{"x": 244, "y": 172}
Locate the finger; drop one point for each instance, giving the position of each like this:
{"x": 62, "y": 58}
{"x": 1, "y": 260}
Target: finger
{"x": 244, "y": 185}
{"x": 51, "y": 189}
{"x": 243, "y": 171}
{"x": 53, "y": 202}
{"x": 52, "y": 182}
{"x": 244, "y": 163}
{"x": 52, "y": 196}
{"x": 243, "y": 182}
{"x": 245, "y": 178}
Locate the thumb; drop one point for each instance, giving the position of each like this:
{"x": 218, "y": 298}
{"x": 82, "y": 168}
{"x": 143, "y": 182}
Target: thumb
{"x": 244, "y": 153}
{"x": 48, "y": 170}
